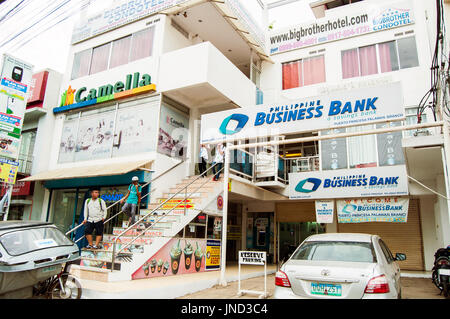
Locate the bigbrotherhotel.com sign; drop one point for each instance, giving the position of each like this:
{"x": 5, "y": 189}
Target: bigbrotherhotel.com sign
{"x": 329, "y": 29}
{"x": 383, "y": 103}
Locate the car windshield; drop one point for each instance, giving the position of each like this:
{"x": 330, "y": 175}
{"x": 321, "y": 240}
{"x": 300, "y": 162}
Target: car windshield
{"x": 27, "y": 240}
{"x": 336, "y": 251}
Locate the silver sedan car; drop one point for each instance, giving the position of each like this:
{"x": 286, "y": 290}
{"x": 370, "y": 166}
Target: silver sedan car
{"x": 340, "y": 266}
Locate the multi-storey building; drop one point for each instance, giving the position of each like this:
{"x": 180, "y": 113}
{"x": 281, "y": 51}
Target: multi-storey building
{"x": 140, "y": 76}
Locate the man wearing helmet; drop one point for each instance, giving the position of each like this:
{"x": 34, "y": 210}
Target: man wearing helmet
{"x": 133, "y": 199}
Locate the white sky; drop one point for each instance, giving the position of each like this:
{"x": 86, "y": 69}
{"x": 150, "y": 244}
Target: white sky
{"x": 50, "y": 49}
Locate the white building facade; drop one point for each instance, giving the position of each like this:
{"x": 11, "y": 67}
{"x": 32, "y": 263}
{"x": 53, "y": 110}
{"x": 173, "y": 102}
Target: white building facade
{"x": 135, "y": 90}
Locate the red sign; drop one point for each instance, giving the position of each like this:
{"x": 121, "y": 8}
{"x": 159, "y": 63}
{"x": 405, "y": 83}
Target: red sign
{"x": 20, "y": 189}
{"x": 37, "y": 89}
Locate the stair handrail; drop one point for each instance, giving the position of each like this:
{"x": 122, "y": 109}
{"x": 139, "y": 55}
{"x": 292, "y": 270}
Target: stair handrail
{"x": 116, "y": 239}
{"x": 115, "y": 203}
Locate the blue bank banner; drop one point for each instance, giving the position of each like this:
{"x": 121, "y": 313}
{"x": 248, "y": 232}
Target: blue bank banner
{"x": 353, "y": 107}
{"x": 349, "y": 183}
{"x": 366, "y": 210}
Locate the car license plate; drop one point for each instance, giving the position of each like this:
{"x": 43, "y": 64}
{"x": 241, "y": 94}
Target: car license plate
{"x": 445, "y": 272}
{"x": 49, "y": 268}
{"x": 326, "y": 289}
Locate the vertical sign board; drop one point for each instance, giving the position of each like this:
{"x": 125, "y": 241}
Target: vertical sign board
{"x": 257, "y": 258}
{"x": 14, "y": 88}
{"x": 324, "y": 211}
{"x": 212, "y": 254}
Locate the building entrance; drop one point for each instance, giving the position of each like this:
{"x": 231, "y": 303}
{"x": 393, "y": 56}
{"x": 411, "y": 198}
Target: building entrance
{"x": 291, "y": 235}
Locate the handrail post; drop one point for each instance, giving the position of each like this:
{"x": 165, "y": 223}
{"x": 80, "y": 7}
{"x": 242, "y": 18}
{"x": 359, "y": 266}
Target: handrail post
{"x": 185, "y": 200}
{"x": 113, "y": 258}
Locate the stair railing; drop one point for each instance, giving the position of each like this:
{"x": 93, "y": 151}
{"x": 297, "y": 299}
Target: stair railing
{"x": 115, "y": 203}
{"x": 116, "y": 239}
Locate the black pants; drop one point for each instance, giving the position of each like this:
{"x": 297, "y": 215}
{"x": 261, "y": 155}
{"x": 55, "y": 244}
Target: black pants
{"x": 217, "y": 170}
{"x": 98, "y": 226}
{"x": 202, "y": 166}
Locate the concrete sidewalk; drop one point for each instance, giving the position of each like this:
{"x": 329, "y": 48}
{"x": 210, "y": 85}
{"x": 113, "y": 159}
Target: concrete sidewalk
{"x": 169, "y": 287}
{"x": 413, "y": 287}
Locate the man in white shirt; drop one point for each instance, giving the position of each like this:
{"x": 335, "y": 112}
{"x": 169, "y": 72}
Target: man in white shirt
{"x": 94, "y": 217}
{"x": 218, "y": 159}
{"x": 204, "y": 157}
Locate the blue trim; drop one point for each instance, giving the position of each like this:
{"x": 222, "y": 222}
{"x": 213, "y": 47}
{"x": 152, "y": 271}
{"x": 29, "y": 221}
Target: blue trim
{"x": 112, "y": 180}
{"x": 66, "y": 108}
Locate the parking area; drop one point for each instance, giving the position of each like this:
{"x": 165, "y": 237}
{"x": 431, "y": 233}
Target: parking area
{"x": 412, "y": 288}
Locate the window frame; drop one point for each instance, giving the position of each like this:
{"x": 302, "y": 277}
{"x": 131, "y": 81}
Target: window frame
{"x": 386, "y": 251}
{"x": 377, "y": 48}
{"x": 111, "y": 47}
{"x": 303, "y": 71}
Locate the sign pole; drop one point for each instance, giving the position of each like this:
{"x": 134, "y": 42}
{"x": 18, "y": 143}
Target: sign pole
{"x": 223, "y": 281}
{"x": 8, "y": 194}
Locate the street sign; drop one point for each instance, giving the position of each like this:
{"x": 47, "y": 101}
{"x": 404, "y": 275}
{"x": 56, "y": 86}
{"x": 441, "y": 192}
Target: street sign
{"x": 253, "y": 258}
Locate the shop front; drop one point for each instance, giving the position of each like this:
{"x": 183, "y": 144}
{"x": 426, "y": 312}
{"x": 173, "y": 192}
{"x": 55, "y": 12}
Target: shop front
{"x": 372, "y": 200}
{"x": 67, "y": 197}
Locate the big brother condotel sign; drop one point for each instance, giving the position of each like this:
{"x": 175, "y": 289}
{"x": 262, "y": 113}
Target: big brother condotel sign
{"x": 363, "y": 106}
{"x": 349, "y": 183}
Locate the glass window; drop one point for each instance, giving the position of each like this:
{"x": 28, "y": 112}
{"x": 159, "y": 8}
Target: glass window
{"x": 350, "y": 63}
{"x": 336, "y": 251}
{"x": 362, "y": 149}
{"x": 120, "y": 52}
{"x": 26, "y": 151}
{"x": 368, "y": 60}
{"x": 100, "y": 57}
{"x": 386, "y": 252}
{"x": 314, "y": 70}
{"x": 303, "y": 72}
{"x": 25, "y": 241}
{"x": 142, "y": 44}
{"x": 81, "y": 63}
{"x": 411, "y": 119}
{"x": 292, "y": 75}
{"x": 407, "y": 52}
{"x": 388, "y": 56}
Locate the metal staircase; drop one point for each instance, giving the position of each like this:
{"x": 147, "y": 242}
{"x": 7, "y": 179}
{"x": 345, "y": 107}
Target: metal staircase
{"x": 127, "y": 249}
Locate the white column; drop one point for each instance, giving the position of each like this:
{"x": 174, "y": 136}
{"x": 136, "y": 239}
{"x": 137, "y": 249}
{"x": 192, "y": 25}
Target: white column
{"x": 223, "y": 261}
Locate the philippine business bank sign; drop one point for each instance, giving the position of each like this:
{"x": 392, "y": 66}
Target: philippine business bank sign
{"x": 349, "y": 183}
{"x": 363, "y": 106}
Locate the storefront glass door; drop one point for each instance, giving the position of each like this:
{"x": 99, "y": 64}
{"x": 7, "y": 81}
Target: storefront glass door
{"x": 291, "y": 235}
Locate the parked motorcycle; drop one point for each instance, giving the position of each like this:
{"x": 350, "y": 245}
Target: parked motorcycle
{"x": 441, "y": 270}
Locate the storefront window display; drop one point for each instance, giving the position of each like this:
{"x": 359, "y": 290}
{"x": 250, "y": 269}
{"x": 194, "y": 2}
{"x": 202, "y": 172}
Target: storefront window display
{"x": 173, "y": 132}
{"x": 111, "y": 131}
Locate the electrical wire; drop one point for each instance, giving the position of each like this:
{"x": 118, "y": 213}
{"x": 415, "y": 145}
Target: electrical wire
{"x": 438, "y": 65}
{"x": 35, "y": 23}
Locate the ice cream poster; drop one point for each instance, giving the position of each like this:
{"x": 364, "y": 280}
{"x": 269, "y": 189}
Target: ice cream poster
{"x": 179, "y": 256}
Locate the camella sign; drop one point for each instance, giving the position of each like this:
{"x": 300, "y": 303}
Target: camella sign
{"x": 133, "y": 84}
{"x": 363, "y": 106}
{"x": 349, "y": 183}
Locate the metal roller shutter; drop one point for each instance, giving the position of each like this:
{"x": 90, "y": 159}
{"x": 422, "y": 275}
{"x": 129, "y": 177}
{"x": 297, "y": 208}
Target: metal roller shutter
{"x": 400, "y": 237}
{"x": 296, "y": 212}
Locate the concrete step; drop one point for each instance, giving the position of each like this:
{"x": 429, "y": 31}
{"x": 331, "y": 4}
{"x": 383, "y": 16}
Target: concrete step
{"x": 145, "y": 241}
{"x": 100, "y": 263}
{"x": 134, "y": 232}
{"x": 108, "y": 247}
{"x": 180, "y": 200}
{"x": 90, "y": 273}
{"x": 192, "y": 189}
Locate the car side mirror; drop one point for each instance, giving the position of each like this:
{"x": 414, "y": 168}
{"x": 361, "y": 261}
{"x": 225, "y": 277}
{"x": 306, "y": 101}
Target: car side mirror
{"x": 400, "y": 257}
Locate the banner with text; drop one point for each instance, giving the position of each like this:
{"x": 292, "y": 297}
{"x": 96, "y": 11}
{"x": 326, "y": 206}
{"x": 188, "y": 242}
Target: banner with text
{"x": 120, "y": 13}
{"x": 366, "y": 210}
{"x": 324, "y": 211}
{"x": 349, "y": 183}
{"x": 371, "y": 19}
{"x": 252, "y": 257}
{"x": 362, "y": 106}
{"x": 14, "y": 89}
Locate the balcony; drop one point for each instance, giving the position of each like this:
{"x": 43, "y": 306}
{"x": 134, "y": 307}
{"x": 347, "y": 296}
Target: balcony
{"x": 25, "y": 164}
{"x": 201, "y": 76}
{"x": 268, "y": 169}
